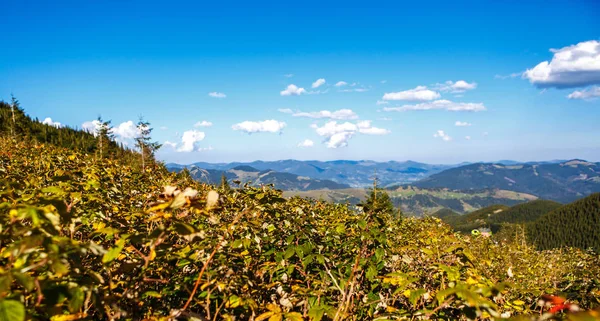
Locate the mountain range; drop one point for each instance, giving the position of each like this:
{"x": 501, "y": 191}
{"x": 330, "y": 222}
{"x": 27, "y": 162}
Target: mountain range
{"x": 247, "y": 174}
{"x": 562, "y": 182}
{"x": 353, "y": 173}
{"x": 417, "y": 188}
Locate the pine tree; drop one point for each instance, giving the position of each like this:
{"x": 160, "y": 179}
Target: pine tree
{"x": 105, "y": 134}
{"x": 379, "y": 201}
{"x": 143, "y": 142}
{"x": 224, "y": 183}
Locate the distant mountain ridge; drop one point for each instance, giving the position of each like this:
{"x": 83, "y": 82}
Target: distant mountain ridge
{"x": 562, "y": 182}
{"x": 353, "y": 173}
{"x": 254, "y": 176}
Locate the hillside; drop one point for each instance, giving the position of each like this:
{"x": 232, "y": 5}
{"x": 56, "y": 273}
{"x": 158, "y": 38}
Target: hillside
{"x": 356, "y": 174}
{"x": 561, "y": 182}
{"x": 526, "y": 212}
{"x": 100, "y": 239}
{"x": 477, "y": 219}
{"x": 573, "y": 225}
{"x": 255, "y": 177}
{"x": 495, "y": 216}
{"x": 418, "y": 202}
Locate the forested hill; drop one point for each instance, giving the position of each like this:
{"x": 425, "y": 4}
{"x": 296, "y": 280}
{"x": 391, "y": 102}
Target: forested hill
{"x": 573, "y": 225}
{"x": 561, "y": 182}
{"x": 16, "y": 124}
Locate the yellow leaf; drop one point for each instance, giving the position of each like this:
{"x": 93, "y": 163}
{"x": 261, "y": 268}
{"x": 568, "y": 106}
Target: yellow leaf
{"x": 275, "y": 317}
{"x": 406, "y": 293}
{"x": 264, "y": 316}
{"x": 518, "y": 302}
{"x": 293, "y": 316}
{"x": 152, "y": 255}
{"x": 273, "y": 307}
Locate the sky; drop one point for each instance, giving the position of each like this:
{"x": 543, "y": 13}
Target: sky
{"x": 222, "y": 81}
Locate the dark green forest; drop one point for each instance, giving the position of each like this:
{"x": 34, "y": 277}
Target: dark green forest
{"x": 573, "y": 225}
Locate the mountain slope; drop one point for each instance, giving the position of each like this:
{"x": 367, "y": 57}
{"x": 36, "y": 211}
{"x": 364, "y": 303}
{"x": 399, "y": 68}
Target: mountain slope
{"x": 256, "y": 177}
{"x": 573, "y": 225}
{"x": 526, "y": 212}
{"x": 562, "y": 182}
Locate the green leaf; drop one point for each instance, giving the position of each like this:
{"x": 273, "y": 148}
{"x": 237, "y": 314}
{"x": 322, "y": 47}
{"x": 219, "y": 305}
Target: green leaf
{"x": 11, "y": 310}
{"x": 76, "y": 299}
{"x": 25, "y": 279}
{"x": 114, "y": 252}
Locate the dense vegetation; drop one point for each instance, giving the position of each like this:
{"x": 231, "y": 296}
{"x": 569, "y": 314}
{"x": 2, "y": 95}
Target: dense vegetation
{"x": 100, "y": 239}
{"x": 574, "y": 225}
{"x": 89, "y": 237}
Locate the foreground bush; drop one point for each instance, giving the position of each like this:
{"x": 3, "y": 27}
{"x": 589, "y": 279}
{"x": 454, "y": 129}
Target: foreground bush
{"x": 87, "y": 238}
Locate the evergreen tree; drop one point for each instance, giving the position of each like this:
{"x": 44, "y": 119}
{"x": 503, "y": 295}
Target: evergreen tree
{"x": 224, "y": 183}
{"x": 379, "y": 201}
{"x": 143, "y": 142}
{"x": 104, "y": 132}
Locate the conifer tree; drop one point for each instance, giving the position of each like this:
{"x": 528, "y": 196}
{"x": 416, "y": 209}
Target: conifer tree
{"x": 143, "y": 142}
{"x": 224, "y": 183}
{"x": 379, "y": 201}
{"x": 105, "y": 134}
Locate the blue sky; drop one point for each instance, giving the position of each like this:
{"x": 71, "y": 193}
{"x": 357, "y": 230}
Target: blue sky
{"x": 436, "y": 63}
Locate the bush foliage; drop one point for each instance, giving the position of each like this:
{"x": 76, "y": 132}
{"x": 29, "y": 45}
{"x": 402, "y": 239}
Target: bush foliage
{"x": 83, "y": 237}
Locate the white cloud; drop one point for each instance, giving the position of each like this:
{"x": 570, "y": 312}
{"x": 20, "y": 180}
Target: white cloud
{"x": 285, "y": 110}
{"x": 169, "y": 144}
{"x": 341, "y": 83}
{"x": 91, "y": 127}
{"x": 203, "y": 123}
{"x": 48, "y": 121}
{"x": 586, "y": 94}
{"x": 468, "y": 137}
{"x": 126, "y": 130}
{"x": 420, "y": 93}
{"x": 364, "y": 127}
{"x": 215, "y": 94}
{"x": 462, "y": 123}
{"x": 382, "y": 102}
{"x": 459, "y": 86}
{"x": 513, "y": 75}
{"x": 337, "y": 134}
{"x": 306, "y": 143}
{"x": 190, "y": 140}
{"x": 338, "y": 114}
{"x": 440, "y": 104}
{"x": 164, "y": 127}
{"x": 317, "y": 92}
{"x": 319, "y": 82}
{"x": 441, "y": 134}
{"x": 383, "y": 81}
{"x": 485, "y": 134}
{"x": 292, "y": 90}
{"x": 358, "y": 90}
{"x": 573, "y": 66}
{"x": 265, "y": 126}
{"x": 385, "y": 118}
{"x": 288, "y": 75}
